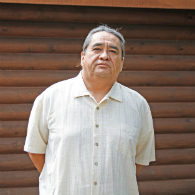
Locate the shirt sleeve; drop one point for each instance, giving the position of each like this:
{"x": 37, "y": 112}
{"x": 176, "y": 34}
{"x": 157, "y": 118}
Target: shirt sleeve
{"x": 37, "y": 131}
{"x": 145, "y": 150}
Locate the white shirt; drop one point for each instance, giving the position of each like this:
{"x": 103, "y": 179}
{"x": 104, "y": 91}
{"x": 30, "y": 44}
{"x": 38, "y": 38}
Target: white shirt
{"x": 91, "y": 148}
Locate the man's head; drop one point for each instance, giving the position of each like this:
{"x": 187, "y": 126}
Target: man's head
{"x": 108, "y": 30}
{"x": 103, "y": 53}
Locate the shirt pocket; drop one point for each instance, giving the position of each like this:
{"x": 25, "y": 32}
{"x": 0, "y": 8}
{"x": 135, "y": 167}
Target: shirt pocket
{"x": 126, "y": 141}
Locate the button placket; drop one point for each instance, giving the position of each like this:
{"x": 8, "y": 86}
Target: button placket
{"x": 95, "y": 160}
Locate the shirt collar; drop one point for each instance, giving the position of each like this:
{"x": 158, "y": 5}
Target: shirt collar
{"x": 81, "y": 90}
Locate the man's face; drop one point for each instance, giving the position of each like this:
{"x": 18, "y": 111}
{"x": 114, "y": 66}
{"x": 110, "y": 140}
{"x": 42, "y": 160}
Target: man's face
{"x": 103, "y": 57}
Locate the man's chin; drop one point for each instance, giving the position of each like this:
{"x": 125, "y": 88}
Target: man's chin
{"x": 103, "y": 74}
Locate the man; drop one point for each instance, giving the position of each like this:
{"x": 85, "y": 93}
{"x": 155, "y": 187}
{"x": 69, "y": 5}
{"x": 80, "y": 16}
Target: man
{"x": 88, "y": 135}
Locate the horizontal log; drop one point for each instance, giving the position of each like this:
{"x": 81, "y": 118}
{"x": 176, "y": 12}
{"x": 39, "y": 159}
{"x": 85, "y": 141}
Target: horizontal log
{"x": 173, "y": 110}
{"x": 175, "y": 141}
{"x": 74, "y": 46}
{"x": 14, "y": 95}
{"x": 16, "y": 162}
{"x": 162, "y": 141}
{"x": 159, "y": 62}
{"x": 41, "y": 78}
{"x": 13, "y": 128}
{"x": 114, "y": 3}
{"x": 79, "y": 30}
{"x": 166, "y": 94}
{"x": 96, "y": 14}
{"x": 166, "y": 172}
{"x": 12, "y": 145}
{"x": 161, "y": 126}
{"x": 173, "y": 187}
{"x": 19, "y": 179}
{"x": 36, "y": 61}
{"x": 174, "y": 125}
{"x": 15, "y": 111}
{"x": 128, "y": 78}
{"x": 20, "y": 191}
{"x": 159, "y": 110}
{"x": 174, "y": 156}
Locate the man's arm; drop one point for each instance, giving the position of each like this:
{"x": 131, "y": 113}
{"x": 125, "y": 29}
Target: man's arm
{"x": 138, "y": 167}
{"x": 38, "y": 160}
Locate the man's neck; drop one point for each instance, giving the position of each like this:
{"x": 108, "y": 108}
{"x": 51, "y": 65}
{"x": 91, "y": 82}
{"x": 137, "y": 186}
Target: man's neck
{"x": 97, "y": 86}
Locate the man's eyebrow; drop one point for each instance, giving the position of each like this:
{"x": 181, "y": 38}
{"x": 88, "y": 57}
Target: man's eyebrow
{"x": 114, "y": 47}
{"x": 97, "y": 44}
{"x": 100, "y": 44}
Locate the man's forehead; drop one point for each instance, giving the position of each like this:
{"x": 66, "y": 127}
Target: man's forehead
{"x": 102, "y": 37}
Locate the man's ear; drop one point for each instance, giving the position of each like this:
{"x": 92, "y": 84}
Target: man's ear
{"x": 82, "y": 58}
{"x": 122, "y": 62}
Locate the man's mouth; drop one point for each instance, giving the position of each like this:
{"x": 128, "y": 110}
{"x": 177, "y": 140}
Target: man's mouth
{"x": 103, "y": 65}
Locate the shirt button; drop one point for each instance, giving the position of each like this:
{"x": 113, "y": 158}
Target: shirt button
{"x": 97, "y": 126}
{"x": 96, "y": 144}
{"x": 95, "y": 183}
{"x": 96, "y": 163}
{"x": 97, "y": 108}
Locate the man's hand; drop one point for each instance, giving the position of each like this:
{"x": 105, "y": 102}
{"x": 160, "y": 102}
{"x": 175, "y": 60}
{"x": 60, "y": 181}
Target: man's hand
{"x": 138, "y": 167}
{"x": 38, "y": 160}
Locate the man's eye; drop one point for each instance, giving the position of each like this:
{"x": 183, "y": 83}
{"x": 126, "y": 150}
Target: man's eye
{"x": 96, "y": 49}
{"x": 113, "y": 51}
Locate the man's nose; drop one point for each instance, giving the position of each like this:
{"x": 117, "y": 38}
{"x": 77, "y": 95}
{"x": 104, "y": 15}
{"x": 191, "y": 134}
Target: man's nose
{"x": 104, "y": 55}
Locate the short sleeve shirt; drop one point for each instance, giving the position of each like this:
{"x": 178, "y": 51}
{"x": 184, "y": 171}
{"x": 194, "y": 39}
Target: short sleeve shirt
{"x": 91, "y": 148}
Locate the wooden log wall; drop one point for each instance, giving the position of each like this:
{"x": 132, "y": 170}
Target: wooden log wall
{"x": 41, "y": 45}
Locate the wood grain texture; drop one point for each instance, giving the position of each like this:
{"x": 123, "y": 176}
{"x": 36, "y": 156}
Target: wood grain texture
{"x": 12, "y": 145}
{"x": 162, "y": 141}
{"x": 127, "y": 78}
{"x": 78, "y": 30}
{"x": 96, "y": 14}
{"x": 74, "y": 46}
{"x": 167, "y": 94}
{"x": 36, "y": 61}
{"x": 159, "y": 62}
{"x": 15, "y": 111}
{"x": 166, "y": 4}
{"x": 14, "y": 95}
{"x": 166, "y": 172}
{"x": 174, "y": 156}
{"x": 13, "y": 128}
{"x": 19, "y": 179}
{"x": 20, "y": 191}
{"x": 175, "y": 141}
{"x": 173, "y": 110}
{"x": 173, "y": 187}
{"x": 174, "y": 125}
{"x": 16, "y": 162}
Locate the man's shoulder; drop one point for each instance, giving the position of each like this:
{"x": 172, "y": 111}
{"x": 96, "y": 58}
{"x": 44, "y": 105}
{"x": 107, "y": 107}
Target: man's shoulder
{"x": 132, "y": 97}
{"x": 130, "y": 93}
{"x": 61, "y": 87}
